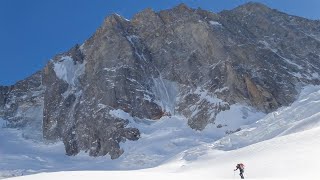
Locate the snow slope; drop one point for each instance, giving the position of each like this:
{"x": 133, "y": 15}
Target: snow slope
{"x": 301, "y": 115}
{"x": 159, "y": 142}
{"x": 293, "y": 156}
{"x": 210, "y": 152}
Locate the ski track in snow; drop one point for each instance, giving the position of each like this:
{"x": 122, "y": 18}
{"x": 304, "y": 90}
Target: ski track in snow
{"x": 174, "y": 147}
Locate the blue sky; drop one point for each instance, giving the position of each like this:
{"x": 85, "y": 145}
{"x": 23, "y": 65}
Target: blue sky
{"x": 33, "y": 31}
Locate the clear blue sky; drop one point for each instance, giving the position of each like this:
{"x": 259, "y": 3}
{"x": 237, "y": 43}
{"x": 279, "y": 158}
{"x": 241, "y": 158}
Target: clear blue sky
{"x": 33, "y": 31}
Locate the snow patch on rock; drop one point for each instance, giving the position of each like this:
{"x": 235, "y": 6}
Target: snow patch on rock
{"x": 119, "y": 113}
{"x": 165, "y": 92}
{"x": 68, "y": 70}
{"x": 215, "y": 23}
{"x": 205, "y": 95}
{"x": 3, "y": 123}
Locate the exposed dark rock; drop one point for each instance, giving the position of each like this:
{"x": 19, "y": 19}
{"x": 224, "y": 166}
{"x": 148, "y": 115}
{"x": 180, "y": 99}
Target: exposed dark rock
{"x": 183, "y": 61}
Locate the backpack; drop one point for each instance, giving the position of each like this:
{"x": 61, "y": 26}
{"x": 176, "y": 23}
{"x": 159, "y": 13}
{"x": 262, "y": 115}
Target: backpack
{"x": 241, "y": 166}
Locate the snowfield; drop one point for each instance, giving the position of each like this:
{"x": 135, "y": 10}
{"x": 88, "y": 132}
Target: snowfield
{"x": 294, "y": 156}
{"x": 281, "y": 145}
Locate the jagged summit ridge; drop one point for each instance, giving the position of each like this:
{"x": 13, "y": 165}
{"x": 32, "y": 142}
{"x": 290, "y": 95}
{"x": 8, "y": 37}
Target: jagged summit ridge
{"x": 181, "y": 61}
{"x": 253, "y": 6}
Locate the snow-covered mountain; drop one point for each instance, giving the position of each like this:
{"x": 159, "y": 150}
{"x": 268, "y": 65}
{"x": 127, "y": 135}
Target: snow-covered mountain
{"x": 168, "y": 81}
{"x": 170, "y": 146}
{"x": 181, "y": 61}
{"x": 176, "y": 151}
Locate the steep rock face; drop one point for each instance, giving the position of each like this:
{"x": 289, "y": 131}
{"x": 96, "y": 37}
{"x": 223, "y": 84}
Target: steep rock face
{"x": 102, "y": 75}
{"x": 243, "y": 55}
{"x": 180, "y": 61}
{"x": 22, "y": 105}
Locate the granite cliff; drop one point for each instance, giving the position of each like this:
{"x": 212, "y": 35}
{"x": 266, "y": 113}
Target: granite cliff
{"x": 180, "y": 61}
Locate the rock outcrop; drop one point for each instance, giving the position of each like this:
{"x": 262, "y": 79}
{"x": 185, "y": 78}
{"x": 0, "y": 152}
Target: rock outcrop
{"x": 180, "y": 61}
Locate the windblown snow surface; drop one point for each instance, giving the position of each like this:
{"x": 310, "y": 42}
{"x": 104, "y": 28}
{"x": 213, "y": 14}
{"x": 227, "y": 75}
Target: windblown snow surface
{"x": 281, "y": 145}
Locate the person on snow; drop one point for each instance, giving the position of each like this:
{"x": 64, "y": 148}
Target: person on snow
{"x": 240, "y": 166}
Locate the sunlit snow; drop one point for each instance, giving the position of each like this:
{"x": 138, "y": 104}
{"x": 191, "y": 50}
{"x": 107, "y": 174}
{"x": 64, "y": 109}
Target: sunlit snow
{"x": 283, "y": 144}
{"x": 68, "y": 70}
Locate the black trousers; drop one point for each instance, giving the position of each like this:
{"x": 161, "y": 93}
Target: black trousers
{"x": 241, "y": 174}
